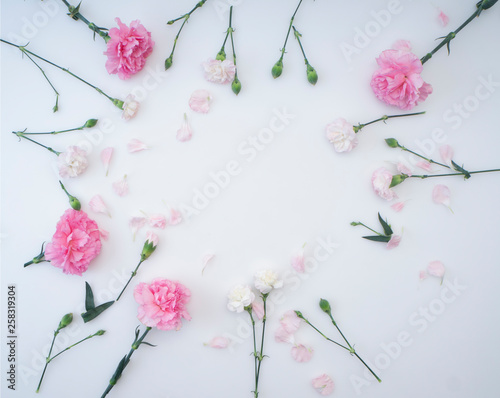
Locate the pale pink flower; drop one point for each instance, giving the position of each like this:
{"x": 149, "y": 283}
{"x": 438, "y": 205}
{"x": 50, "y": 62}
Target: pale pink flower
{"x": 162, "y": 304}
{"x": 135, "y": 145}
{"x": 97, "y": 204}
{"x": 76, "y": 242}
{"x": 72, "y": 162}
{"x": 302, "y": 353}
{"x": 121, "y": 186}
{"x": 217, "y": 71}
{"x": 298, "y": 261}
{"x": 446, "y": 153}
{"x": 205, "y": 260}
{"x": 184, "y": 133}
{"x": 443, "y": 18}
{"x": 341, "y": 134}
{"x": 425, "y": 165}
{"x": 283, "y": 336}
{"x": 135, "y": 224}
{"x": 381, "y": 181}
{"x": 130, "y": 107}
{"x": 323, "y": 384}
{"x": 267, "y": 280}
{"x": 104, "y": 234}
{"x": 290, "y": 321}
{"x": 219, "y": 342}
{"x": 158, "y": 221}
{"x": 397, "y": 81}
{"x": 404, "y": 169}
{"x": 240, "y": 297}
{"x": 152, "y": 239}
{"x": 106, "y": 154}
{"x": 397, "y": 207}
{"x": 402, "y": 45}
{"x": 441, "y": 195}
{"x": 128, "y": 49}
{"x": 258, "y": 309}
{"x": 200, "y": 101}
{"x": 393, "y": 242}
{"x": 175, "y": 217}
{"x": 436, "y": 268}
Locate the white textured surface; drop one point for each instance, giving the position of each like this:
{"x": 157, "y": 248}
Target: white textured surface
{"x": 295, "y": 189}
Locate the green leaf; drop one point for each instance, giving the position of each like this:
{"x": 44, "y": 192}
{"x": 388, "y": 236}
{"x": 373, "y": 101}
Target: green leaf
{"x": 387, "y": 227}
{"x": 460, "y": 170}
{"x": 378, "y": 238}
{"x": 95, "y": 312}
{"x": 89, "y": 297}
{"x": 119, "y": 371}
{"x": 149, "y": 344}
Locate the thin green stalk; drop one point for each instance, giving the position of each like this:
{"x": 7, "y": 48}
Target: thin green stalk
{"x": 451, "y": 174}
{"x": 364, "y": 363}
{"x": 342, "y": 334}
{"x": 255, "y": 355}
{"x": 367, "y": 227}
{"x": 47, "y": 360}
{"x": 230, "y": 31}
{"x": 131, "y": 276}
{"x": 423, "y": 157}
{"x": 289, "y": 29}
{"x": 384, "y": 118}
{"x": 20, "y": 134}
{"x": 261, "y": 353}
{"x": 57, "y": 132}
{"x": 298, "y": 35}
{"x": 74, "y": 12}
{"x": 327, "y": 338}
{"x": 98, "y": 333}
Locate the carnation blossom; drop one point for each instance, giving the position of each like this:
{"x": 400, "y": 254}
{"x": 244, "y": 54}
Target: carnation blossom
{"x": 341, "y": 134}
{"x": 130, "y": 107}
{"x": 128, "y": 49}
{"x": 72, "y": 162}
{"x": 239, "y": 298}
{"x": 162, "y": 304}
{"x": 267, "y": 280}
{"x": 76, "y": 242}
{"x": 398, "y": 82}
{"x": 217, "y": 71}
{"x": 381, "y": 181}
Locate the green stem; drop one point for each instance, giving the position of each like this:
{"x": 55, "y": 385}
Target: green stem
{"x": 261, "y": 354}
{"x": 422, "y": 157}
{"x": 327, "y": 338}
{"x": 342, "y": 334}
{"x": 131, "y": 276}
{"x": 56, "y": 132}
{"x": 99, "y": 333}
{"x": 198, "y": 5}
{"x": 367, "y": 227}
{"x": 384, "y": 118}
{"x": 20, "y": 134}
{"x": 74, "y": 12}
{"x": 297, "y": 36}
{"x": 230, "y": 31}
{"x": 452, "y": 174}
{"x": 289, "y": 29}
{"x": 364, "y": 363}
{"x": 255, "y": 355}
{"x": 47, "y": 360}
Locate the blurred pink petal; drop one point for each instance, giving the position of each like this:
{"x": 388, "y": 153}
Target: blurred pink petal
{"x": 441, "y": 195}
{"x": 205, "y": 260}
{"x": 184, "y": 133}
{"x": 323, "y": 384}
{"x": 443, "y": 18}
{"x": 446, "y": 153}
{"x": 106, "y": 154}
{"x": 135, "y": 145}
{"x": 436, "y": 268}
{"x": 403, "y": 169}
{"x": 136, "y": 223}
{"x": 301, "y": 353}
{"x": 422, "y": 275}
{"x": 121, "y": 186}
{"x": 219, "y": 342}
{"x": 398, "y": 206}
{"x": 402, "y": 45}
{"x": 200, "y": 101}
{"x": 175, "y": 217}
{"x": 258, "y": 309}
{"x": 97, "y": 205}
{"x": 290, "y": 321}
{"x": 394, "y": 242}
{"x": 104, "y": 234}
{"x": 158, "y": 221}
{"x": 425, "y": 165}
{"x": 283, "y": 336}
{"x": 298, "y": 261}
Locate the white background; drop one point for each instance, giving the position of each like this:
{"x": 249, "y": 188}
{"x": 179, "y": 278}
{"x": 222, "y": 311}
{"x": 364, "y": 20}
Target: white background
{"x": 296, "y": 190}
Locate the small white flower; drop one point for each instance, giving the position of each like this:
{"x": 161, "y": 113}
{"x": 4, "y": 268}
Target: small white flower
{"x": 239, "y": 298}
{"x": 267, "y": 280}
{"x": 72, "y": 162}
{"x": 341, "y": 134}
{"x": 130, "y": 107}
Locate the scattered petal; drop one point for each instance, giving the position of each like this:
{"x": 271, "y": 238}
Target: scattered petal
{"x": 219, "y": 342}
{"x": 441, "y": 195}
{"x": 290, "y": 321}
{"x": 398, "y": 206}
{"x": 446, "y": 153}
{"x": 184, "y": 133}
{"x": 436, "y": 268}
{"x": 121, "y": 187}
{"x": 136, "y": 223}
{"x": 403, "y": 169}
{"x": 425, "y": 165}
{"x": 258, "y": 309}
{"x": 443, "y": 18}
{"x": 175, "y": 217}
{"x": 106, "y": 154}
{"x": 134, "y": 145}
{"x": 393, "y": 242}
{"x": 298, "y": 261}
{"x": 422, "y": 275}
{"x": 104, "y": 234}
{"x": 283, "y": 336}
{"x": 302, "y": 353}
{"x": 158, "y": 221}
{"x": 200, "y": 101}
{"x": 97, "y": 205}
{"x": 323, "y": 384}
{"x": 205, "y": 260}
{"x": 130, "y": 107}
{"x": 402, "y": 45}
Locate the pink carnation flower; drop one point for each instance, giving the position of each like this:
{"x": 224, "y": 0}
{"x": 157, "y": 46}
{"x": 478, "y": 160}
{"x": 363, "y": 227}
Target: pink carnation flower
{"x": 72, "y": 162}
{"x": 217, "y": 71}
{"x": 128, "y": 49}
{"x": 76, "y": 242}
{"x": 162, "y": 304}
{"x": 398, "y": 81}
{"x": 381, "y": 182}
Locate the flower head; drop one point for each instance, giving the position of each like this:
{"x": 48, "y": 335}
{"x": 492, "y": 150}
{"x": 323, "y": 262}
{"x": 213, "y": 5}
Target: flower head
{"x": 76, "y": 242}
{"x": 398, "y": 82}
{"x": 240, "y": 297}
{"x": 130, "y": 107}
{"x": 162, "y": 304}
{"x": 381, "y": 182}
{"x": 149, "y": 245}
{"x": 341, "y": 134}
{"x": 72, "y": 162}
{"x": 267, "y": 280}
{"x": 217, "y": 71}
{"x": 128, "y": 49}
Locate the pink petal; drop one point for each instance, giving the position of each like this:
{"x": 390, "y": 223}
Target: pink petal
{"x": 323, "y": 384}
{"x": 184, "y": 133}
{"x": 436, "y": 268}
{"x": 422, "y": 275}
{"x": 283, "y": 336}
{"x": 301, "y": 353}
{"x": 175, "y": 217}
{"x": 151, "y": 237}
{"x": 121, "y": 186}
{"x": 443, "y": 18}
{"x": 394, "y": 242}
{"x": 403, "y": 169}
{"x": 446, "y": 153}
{"x": 258, "y": 309}
{"x": 219, "y": 342}
{"x": 97, "y": 204}
{"x": 200, "y": 101}
{"x": 106, "y": 154}
{"x": 298, "y": 261}
{"x": 134, "y": 145}
{"x": 398, "y": 206}
{"x": 425, "y": 165}
{"x": 136, "y": 223}
{"x": 104, "y": 234}
{"x": 402, "y": 45}
{"x": 290, "y": 321}
{"x": 158, "y": 221}
{"x": 441, "y": 195}
{"x": 205, "y": 260}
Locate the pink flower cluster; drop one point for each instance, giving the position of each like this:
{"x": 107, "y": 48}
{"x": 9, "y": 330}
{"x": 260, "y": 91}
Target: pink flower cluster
{"x": 128, "y": 49}
{"x": 76, "y": 242}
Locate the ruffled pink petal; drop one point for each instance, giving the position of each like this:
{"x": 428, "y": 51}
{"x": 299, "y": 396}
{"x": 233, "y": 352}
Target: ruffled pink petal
{"x": 425, "y": 165}
{"x": 436, "y": 268}
{"x": 258, "y": 309}
{"x": 135, "y": 145}
{"x": 175, "y": 217}
{"x": 219, "y": 342}
{"x": 283, "y": 336}
{"x": 323, "y": 384}
{"x": 200, "y": 101}
{"x": 121, "y": 186}
{"x": 97, "y": 205}
{"x": 398, "y": 206}
{"x": 403, "y": 169}
{"x": 302, "y": 353}
{"x": 136, "y": 223}
{"x": 393, "y": 242}
{"x": 157, "y": 221}
{"x": 446, "y": 153}
{"x": 298, "y": 261}
{"x": 422, "y": 275}
{"x": 290, "y": 321}
{"x": 443, "y": 18}
{"x": 184, "y": 133}
{"x": 104, "y": 234}
{"x": 106, "y": 155}
{"x": 441, "y": 195}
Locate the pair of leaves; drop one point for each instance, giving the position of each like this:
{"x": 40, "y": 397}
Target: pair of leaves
{"x": 91, "y": 310}
{"x": 387, "y": 232}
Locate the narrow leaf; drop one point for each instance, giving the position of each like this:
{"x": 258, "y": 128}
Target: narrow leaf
{"x": 89, "y": 297}
{"x": 149, "y": 344}
{"x": 378, "y": 238}
{"x": 387, "y": 227}
{"x": 95, "y": 312}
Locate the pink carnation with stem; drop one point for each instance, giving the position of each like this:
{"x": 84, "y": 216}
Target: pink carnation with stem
{"x": 128, "y": 49}
{"x": 76, "y": 242}
{"x": 162, "y": 304}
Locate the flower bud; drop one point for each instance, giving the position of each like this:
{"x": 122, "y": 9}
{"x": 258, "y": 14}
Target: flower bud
{"x": 236, "y": 85}
{"x": 299, "y": 314}
{"x": 392, "y": 142}
{"x": 277, "y": 69}
{"x": 75, "y": 203}
{"x": 221, "y": 55}
{"x": 90, "y": 123}
{"x": 168, "y": 62}
{"x": 100, "y": 332}
{"x": 312, "y": 76}
{"x": 397, "y": 179}
{"x": 485, "y": 4}
{"x": 149, "y": 245}
{"x": 65, "y": 321}
{"x": 325, "y": 306}
{"x": 118, "y": 103}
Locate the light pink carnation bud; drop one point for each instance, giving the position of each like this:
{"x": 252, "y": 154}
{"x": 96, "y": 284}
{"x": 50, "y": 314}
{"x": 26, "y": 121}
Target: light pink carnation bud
{"x": 200, "y": 101}
{"x": 72, "y": 162}
{"x": 217, "y": 71}
{"x": 341, "y": 134}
